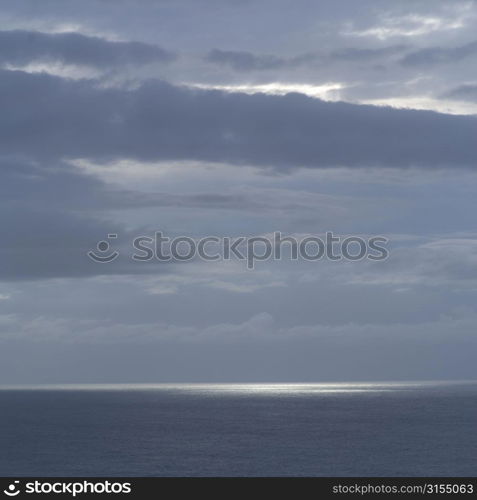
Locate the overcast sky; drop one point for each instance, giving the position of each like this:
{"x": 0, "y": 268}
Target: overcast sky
{"x": 237, "y": 118}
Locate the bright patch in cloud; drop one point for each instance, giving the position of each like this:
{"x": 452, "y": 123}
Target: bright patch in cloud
{"x": 413, "y": 25}
{"x": 327, "y": 91}
{"x": 426, "y": 103}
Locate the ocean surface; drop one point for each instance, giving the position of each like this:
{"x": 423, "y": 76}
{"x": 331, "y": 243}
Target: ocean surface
{"x": 399, "y": 429}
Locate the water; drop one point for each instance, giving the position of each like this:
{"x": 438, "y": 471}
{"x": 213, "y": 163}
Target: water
{"x": 415, "y": 429}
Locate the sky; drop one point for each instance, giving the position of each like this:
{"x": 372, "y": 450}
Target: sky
{"x": 235, "y": 118}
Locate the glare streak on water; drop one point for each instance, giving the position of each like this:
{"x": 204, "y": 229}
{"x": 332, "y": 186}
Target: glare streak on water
{"x": 249, "y": 388}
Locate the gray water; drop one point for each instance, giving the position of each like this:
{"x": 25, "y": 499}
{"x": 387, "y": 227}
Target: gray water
{"x": 415, "y": 429}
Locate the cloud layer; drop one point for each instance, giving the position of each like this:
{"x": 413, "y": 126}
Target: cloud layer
{"x": 52, "y": 118}
{"x": 20, "y": 47}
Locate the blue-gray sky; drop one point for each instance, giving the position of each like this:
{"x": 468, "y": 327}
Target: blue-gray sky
{"x": 235, "y": 118}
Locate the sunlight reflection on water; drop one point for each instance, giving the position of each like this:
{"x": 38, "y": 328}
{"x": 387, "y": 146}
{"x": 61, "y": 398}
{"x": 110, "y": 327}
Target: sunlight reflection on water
{"x": 265, "y": 389}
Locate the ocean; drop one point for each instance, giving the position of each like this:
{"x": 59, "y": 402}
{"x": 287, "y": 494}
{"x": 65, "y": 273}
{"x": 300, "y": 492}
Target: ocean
{"x": 365, "y": 429}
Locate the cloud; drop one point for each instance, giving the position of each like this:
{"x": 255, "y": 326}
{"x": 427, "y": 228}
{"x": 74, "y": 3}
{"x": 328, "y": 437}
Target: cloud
{"x": 440, "y": 55}
{"x": 51, "y": 118}
{"x": 247, "y": 61}
{"x": 415, "y": 24}
{"x": 45, "y": 225}
{"x": 51, "y": 216}
{"x": 351, "y": 54}
{"x": 256, "y": 349}
{"x": 449, "y": 262}
{"x": 20, "y": 47}
{"x": 462, "y": 93}
{"x": 459, "y": 325}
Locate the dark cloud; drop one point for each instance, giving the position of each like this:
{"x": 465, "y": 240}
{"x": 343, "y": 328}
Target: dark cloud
{"x": 247, "y": 61}
{"x": 463, "y": 93}
{"x": 439, "y": 55}
{"x": 50, "y": 118}
{"x": 22, "y": 47}
{"x": 45, "y": 227}
{"x": 51, "y": 217}
{"x": 366, "y": 54}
